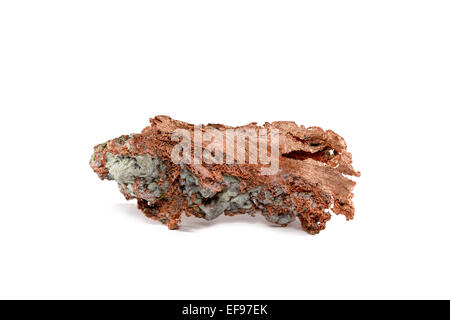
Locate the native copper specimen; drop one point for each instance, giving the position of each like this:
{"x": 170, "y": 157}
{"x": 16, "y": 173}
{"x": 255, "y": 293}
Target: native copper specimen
{"x": 309, "y": 184}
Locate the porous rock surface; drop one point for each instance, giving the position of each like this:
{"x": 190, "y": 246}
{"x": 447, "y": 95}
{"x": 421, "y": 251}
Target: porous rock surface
{"x": 310, "y": 184}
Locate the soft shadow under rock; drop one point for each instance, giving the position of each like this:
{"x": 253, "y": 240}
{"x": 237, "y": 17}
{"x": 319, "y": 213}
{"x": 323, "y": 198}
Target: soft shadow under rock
{"x": 191, "y": 224}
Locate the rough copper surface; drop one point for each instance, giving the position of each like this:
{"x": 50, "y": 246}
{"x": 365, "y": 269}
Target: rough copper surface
{"x": 310, "y": 184}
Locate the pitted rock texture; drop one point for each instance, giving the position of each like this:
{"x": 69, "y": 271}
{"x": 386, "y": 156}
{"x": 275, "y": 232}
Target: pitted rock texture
{"x": 310, "y": 184}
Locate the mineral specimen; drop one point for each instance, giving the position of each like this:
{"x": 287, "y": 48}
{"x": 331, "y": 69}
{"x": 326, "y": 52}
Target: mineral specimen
{"x": 280, "y": 170}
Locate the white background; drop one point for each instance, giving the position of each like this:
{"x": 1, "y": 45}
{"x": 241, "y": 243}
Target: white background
{"x": 76, "y": 73}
